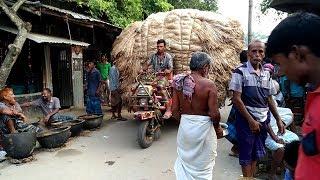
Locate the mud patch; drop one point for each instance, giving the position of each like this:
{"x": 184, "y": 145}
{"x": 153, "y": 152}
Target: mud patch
{"x": 21, "y": 161}
{"x": 110, "y": 163}
{"x": 68, "y": 152}
{"x": 167, "y": 171}
{"x": 85, "y": 133}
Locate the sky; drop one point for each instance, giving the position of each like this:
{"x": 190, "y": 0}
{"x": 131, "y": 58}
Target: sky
{"x": 238, "y": 9}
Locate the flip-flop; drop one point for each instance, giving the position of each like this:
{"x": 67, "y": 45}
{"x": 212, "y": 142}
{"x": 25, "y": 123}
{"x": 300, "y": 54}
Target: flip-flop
{"x": 113, "y": 118}
{"x": 233, "y": 154}
{"x": 122, "y": 119}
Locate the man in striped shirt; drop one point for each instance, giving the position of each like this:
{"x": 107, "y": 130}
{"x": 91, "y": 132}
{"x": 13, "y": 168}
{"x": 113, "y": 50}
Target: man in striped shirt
{"x": 252, "y": 96}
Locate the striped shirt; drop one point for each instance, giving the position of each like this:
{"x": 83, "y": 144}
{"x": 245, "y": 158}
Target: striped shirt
{"x": 255, "y": 89}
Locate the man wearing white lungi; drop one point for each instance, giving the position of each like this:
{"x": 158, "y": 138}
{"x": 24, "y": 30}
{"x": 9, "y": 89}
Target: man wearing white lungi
{"x": 195, "y": 104}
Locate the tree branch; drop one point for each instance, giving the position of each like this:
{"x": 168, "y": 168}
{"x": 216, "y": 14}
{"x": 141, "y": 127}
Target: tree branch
{"x": 12, "y": 55}
{"x": 17, "y": 5}
{"x": 12, "y": 14}
{"x": 13, "y": 49}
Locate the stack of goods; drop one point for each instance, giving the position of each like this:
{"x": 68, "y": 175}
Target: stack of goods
{"x": 185, "y": 31}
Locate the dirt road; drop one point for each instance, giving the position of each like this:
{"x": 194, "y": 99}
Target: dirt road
{"x": 112, "y": 153}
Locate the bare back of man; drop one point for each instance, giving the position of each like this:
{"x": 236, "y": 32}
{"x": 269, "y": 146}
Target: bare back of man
{"x": 203, "y": 100}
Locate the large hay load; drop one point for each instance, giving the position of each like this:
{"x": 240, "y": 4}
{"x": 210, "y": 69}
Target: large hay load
{"x": 185, "y": 31}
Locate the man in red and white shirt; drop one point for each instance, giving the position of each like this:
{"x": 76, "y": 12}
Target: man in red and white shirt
{"x": 295, "y": 45}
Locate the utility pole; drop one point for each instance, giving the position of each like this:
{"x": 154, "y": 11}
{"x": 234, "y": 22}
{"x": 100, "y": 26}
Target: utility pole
{"x": 250, "y": 22}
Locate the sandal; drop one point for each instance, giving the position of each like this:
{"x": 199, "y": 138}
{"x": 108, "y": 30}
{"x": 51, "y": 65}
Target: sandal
{"x": 233, "y": 154}
{"x": 114, "y": 118}
{"x": 122, "y": 119}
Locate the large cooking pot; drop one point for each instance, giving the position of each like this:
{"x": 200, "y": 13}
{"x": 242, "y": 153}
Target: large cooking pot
{"x": 76, "y": 126}
{"x": 54, "y": 138}
{"x": 91, "y": 121}
{"x": 19, "y": 145}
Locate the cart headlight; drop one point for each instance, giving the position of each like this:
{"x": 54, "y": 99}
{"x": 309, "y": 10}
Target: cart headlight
{"x": 143, "y": 102}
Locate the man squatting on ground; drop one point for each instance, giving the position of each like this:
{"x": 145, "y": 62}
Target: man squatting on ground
{"x": 12, "y": 120}
{"x": 294, "y": 45}
{"x": 50, "y": 107}
{"x": 195, "y": 103}
{"x": 252, "y": 97}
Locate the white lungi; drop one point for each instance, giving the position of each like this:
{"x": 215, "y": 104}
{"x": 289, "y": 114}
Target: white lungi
{"x": 196, "y": 148}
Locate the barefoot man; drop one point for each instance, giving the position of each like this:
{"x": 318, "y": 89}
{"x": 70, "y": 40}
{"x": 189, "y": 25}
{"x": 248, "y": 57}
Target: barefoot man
{"x": 195, "y": 104}
{"x": 252, "y": 96}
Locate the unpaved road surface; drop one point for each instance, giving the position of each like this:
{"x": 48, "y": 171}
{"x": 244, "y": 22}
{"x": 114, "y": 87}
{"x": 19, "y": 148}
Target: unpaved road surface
{"x": 112, "y": 153}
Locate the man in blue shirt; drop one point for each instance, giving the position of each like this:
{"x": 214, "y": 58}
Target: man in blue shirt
{"x": 116, "y": 100}
{"x": 93, "y": 90}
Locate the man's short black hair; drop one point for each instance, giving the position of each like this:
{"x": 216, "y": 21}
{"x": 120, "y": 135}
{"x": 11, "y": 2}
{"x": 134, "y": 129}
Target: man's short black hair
{"x": 244, "y": 56}
{"x": 298, "y": 29}
{"x": 93, "y": 62}
{"x": 291, "y": 153}
{"x": 48, "y": 90}
{"x": 161, "y": 41}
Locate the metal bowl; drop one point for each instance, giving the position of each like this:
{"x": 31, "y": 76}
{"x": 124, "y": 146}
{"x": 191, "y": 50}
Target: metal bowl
{"x": 91, "y": 121}
{"x": 54, "y": 138}
{"x": 76, "y": 126}
{"x": 19, "y": 145}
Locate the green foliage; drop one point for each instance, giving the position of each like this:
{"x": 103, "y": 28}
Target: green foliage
{"x": 265, "y": 8}
{"x": 207, "y": 5}
{"x": 153, "y": 6}
{"x": 119, "y": 12}
{"x": 265, "y": 5}
{"x": 124, "y": 12}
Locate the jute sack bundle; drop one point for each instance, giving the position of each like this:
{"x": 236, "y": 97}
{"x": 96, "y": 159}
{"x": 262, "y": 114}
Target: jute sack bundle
{"x": 185, "y": 31}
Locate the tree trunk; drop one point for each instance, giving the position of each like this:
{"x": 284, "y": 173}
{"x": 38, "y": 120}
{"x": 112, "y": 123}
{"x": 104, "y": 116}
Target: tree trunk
{"x": 13, "y": 49}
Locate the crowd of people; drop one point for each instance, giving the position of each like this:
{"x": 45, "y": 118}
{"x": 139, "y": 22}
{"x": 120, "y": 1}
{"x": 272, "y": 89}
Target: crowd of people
{"x": 266, "y": 94}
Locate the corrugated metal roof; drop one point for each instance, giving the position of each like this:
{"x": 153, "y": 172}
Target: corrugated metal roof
{"x": 76, "y": 15}
{"x": 41, "y": 38}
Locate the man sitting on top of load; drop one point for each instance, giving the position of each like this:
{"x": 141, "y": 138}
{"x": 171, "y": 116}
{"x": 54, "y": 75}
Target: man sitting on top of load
{"x": 161, "y": 62}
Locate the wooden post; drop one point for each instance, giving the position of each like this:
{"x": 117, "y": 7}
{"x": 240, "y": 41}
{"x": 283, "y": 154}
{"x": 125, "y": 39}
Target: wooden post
{"x": 250, "y": 22}
{"x": 47, "y": 73}
{"x": 77, "y": 76}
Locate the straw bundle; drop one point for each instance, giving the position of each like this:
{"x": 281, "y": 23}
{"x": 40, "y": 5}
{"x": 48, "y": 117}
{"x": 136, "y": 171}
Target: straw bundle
{"x": 185, "y": 31}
